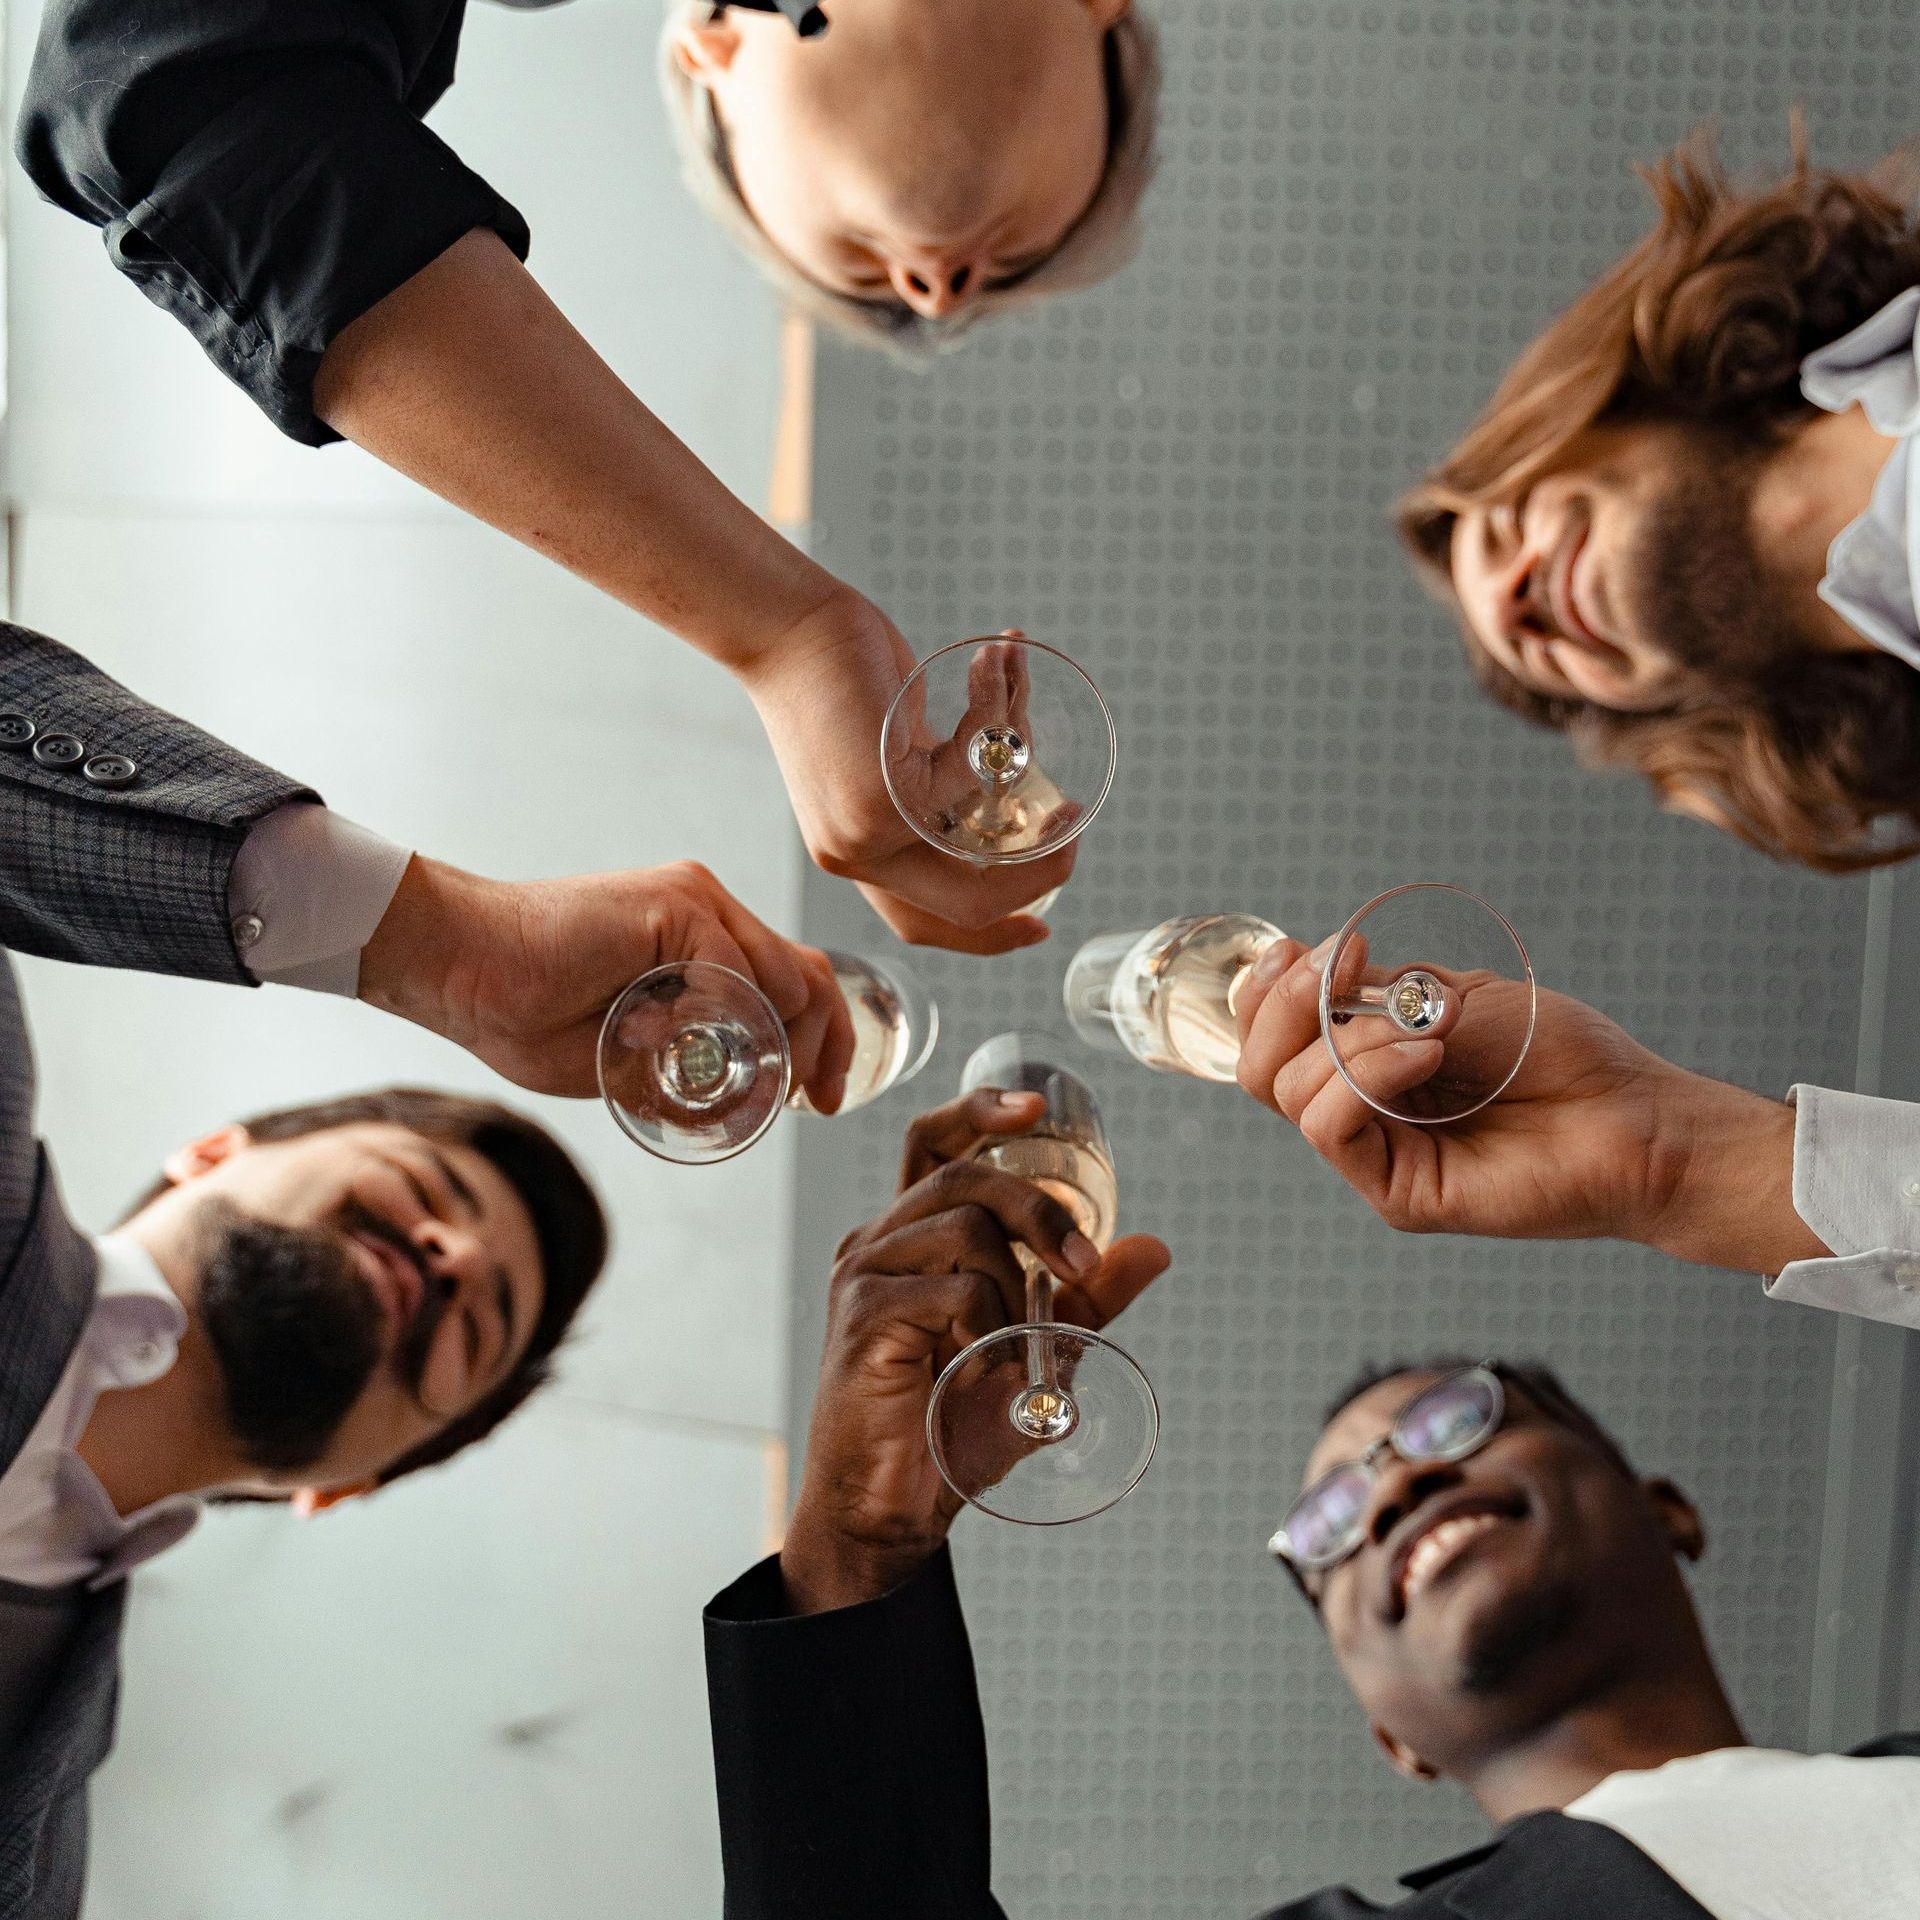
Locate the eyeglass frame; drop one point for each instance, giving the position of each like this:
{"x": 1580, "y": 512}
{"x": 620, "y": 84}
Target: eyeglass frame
{"x": 1488, "y": 1370}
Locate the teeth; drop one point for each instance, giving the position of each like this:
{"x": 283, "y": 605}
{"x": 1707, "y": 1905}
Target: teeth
{"x": 1436, "y": 1547}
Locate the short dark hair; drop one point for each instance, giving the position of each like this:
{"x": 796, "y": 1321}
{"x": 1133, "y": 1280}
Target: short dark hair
{"x": 1706, "y": 324}
{"x": 569, "y": 1225}
{"x": 1540, "y": 1383}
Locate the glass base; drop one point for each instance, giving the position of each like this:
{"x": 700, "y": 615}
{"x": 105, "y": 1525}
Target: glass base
{"x": 1043, "y": 1425}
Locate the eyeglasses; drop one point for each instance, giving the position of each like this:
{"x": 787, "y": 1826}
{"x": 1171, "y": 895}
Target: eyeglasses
{"x": 1446, "y": 1421}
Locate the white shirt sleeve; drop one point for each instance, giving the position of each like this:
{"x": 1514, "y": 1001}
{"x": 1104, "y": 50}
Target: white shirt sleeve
{"x": 1856, "y": 1183}
{"x": 306, "y": 892}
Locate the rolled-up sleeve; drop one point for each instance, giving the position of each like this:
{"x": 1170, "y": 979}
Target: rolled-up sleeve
{"x": 259, "y": 167}
{"x": 1856, "y": 1183}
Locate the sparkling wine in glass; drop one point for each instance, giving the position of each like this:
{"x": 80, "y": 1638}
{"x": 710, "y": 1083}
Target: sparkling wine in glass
{"x": 998, "y": 750}
{"x": 1045, "y": 1423}
{"x": 694, "y": 1062}
{"x": 1422, "y": 961}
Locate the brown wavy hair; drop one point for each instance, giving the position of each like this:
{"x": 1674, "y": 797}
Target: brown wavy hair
{"x": 1705, "y": 325}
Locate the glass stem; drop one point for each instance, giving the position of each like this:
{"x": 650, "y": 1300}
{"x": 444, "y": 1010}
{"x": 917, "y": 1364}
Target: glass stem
{"x": 1362, "y": 1000}
{"x": 1040, "y": 1357}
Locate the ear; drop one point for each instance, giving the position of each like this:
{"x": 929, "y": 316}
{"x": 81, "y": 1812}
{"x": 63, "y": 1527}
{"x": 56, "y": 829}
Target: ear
{"x": 1401, "y": 1757}
{"x": 1679, "y": 1518}
{"x": 1623, "y": 680}
{"x": 705, "y": 49}
{"x": 1695, "y": 802}
{"x": 203, "y": 1155}
{"x": 307, "y": 1501}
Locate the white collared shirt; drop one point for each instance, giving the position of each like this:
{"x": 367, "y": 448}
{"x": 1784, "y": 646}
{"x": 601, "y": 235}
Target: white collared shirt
{"x": 1754, "y": 1833}
{"x": 1871, "y": 567}
{"x": 1856, "y": 1183}
{"x": 57, "y": 1526}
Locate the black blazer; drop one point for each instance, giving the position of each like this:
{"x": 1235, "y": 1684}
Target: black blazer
{"x": 852, "y": 1771}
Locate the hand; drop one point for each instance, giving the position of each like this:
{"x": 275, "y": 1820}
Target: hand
{"x": 935, "y": 1272}
{"x": 822, "y": 693}
{"x": 522, "y": 974}
{"x": 1595, "y": 1137}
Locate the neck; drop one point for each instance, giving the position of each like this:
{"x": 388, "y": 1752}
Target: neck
{"x": 1817, "y": 483}
{"x": 1644, "y": 1721}
{"x": 170, "y": 1436}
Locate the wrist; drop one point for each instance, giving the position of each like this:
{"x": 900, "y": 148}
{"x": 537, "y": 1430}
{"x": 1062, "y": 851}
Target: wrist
{"x": 825, "y": 1568}
{"x": 1727, "y": 1196}
{"x": 416, "y": 965}
{"x": 822, "y": 621}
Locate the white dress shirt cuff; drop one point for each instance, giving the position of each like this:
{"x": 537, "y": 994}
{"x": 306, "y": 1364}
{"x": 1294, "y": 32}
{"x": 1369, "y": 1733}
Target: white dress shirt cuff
{"x": 1856, "y": 1183}
{"x": 306, "y": 892}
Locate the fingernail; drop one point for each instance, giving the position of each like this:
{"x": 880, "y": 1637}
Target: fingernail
{"x": 1317, "y": 959}
{"x": 1414, "y": 1046}
{"x": 1082, "y": 1255}
{"x": 1011, "y": 1101}
{"x": 1271, "y": 964}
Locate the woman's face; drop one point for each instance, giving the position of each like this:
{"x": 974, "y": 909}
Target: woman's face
{"x": 920, "y": 150}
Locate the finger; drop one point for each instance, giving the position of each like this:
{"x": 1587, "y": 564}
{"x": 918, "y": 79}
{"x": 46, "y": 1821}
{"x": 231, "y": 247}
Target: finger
{"x": 1024, "y": 1212}
{"x": 821, "y": 1037}
{"x": 714, "y": 946}
{"x": 1129, "y": 1267}
{"x": 922, "y": 929}
{"x": 1301, "y": 1078}
{"x": 953, "y": 889}
{"x": 1339, "y": 1116}
{"x": 953, "y": 1131}
{"x": 1284, "y": 1027}
{"x": 962, "y": 1239}
{"x": 1261, "y": 978}
{"x": 773, "y": 964}
{"x": 944, "y": 1311}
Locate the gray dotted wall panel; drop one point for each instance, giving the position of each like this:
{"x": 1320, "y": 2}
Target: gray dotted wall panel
{"x": 1363, "y": 211}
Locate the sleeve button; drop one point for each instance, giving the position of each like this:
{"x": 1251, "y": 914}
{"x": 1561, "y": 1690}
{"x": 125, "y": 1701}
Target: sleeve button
{"x": 16, "y": 730}
{"x": 58, "y": 750}
{"x": 247, "y": 929}
{"x": 112, "y": 770}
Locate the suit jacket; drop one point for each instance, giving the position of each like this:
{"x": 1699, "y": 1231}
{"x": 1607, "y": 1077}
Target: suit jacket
{"x": 122, "y": 876}
{"x": 852, "y": 1770}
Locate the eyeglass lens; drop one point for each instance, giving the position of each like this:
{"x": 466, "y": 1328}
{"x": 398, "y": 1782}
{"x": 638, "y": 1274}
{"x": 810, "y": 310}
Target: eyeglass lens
{"x": 1447, "y": 1421}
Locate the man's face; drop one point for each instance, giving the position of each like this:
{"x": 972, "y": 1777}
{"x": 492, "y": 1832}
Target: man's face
{"x": 1625, "y": 573}
{"x": 1490, "y": 1593}
{"x": 363, "y": 1287}
{"x": 916, "y": 153}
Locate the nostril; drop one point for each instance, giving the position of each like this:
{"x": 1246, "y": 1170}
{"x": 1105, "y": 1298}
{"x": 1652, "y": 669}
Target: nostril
{"x": 961, "y": 276}
{"x": 918, "y": 283}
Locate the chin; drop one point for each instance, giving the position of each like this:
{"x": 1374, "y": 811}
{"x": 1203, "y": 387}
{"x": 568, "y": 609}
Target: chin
{"x": 1504, "y": 1647}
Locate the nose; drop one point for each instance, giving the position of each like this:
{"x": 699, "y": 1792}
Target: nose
{"x": 456, "y": 1259}
{"x": 1503, "y": 581}
{"x": 1403, "y": 1485}
{"x": 934, "y": 284}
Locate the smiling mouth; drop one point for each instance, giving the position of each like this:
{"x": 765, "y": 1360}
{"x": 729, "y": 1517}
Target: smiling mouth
{"x": 1436, "y": 1549}
{"x": 1566, "y": 605}
{"x": 397, "y": 1282}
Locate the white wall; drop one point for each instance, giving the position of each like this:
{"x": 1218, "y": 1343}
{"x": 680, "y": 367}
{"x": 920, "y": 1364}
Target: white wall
{"x": 482, "y": 1695}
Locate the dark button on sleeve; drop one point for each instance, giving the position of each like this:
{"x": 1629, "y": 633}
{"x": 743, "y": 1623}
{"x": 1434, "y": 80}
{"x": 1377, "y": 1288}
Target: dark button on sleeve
{"x": 58, "y": 750}
{"x": 16, "y": 730}
{"x": 111, "y": 770}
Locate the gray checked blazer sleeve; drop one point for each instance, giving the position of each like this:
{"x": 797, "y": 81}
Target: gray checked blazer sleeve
{"x": 131, "y": 875}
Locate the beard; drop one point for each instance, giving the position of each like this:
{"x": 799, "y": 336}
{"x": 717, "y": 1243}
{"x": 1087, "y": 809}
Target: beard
{"x": 295, "y": 1328}
{"x": 1507, "y": 1639}
{"x": 1697, "y": 585}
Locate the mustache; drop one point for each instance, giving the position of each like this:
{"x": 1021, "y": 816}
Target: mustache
{"x": 416, "y": 1340}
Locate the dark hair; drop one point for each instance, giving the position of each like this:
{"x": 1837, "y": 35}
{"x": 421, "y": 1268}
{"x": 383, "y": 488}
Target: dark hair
{"x": 1705, "y": 325}
{"x": 568, "y": 1224}
{"x": 1535, "y": 1378}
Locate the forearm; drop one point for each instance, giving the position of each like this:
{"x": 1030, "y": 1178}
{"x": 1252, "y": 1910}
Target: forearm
{"x": 472, "y": 382}
{"x": 1725, "y": 1198}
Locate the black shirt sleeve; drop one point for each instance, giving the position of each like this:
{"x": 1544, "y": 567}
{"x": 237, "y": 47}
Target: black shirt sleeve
{"x": 849, "y": 1753}
{"x": 259, "y": 167}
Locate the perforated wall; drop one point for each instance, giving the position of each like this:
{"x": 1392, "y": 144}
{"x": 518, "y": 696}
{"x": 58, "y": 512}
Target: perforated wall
{"x": 1363, "y": 212}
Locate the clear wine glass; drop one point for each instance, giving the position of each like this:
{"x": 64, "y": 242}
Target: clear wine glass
{"x": 998, "y": 750}
{"x": 1426, "y": 960}
{"x": 694, "y": 1062}
{"x": 1045, "y": 1423}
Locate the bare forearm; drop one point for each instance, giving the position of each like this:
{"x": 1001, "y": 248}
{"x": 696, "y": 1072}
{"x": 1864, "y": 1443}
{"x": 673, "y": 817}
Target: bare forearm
{"x": 471, "y": 381}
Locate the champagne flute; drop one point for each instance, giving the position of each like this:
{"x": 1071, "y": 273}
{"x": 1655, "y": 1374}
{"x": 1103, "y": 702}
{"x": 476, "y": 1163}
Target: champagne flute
{"x": 1045, "y": 1423}
{"x": 694, "y": 1062}
{"x": 1425, "y": 960}
{"x": 998, "y": 750}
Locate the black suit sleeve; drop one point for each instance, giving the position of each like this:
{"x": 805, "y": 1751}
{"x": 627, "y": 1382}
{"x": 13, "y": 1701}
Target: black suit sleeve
{"x": 259, "y": 167}
{"x": 134, "y": 876}
{"x": 850, "y": 1755}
